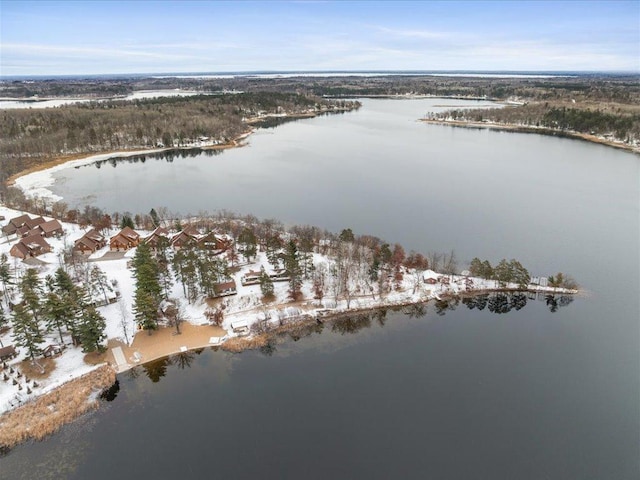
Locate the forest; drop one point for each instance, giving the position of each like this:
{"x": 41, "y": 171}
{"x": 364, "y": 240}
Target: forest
{"x": 30, "y": 137}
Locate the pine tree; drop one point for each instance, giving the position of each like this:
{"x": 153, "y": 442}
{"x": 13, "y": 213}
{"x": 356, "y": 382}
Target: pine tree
{"x": 56, "y": 310}
{"x": 91, "y": 330}
{"x": 26, "y": 331}
{"x": 148, "y": 291}
{"x": 292, "y": 267}
{"x": 266, "y": 284}
{"x": 5, "y": 276}
{"x": 247, "y": 243}
{"x": 98, "y": 283}
{"x": 31, "y": 290}
{"x": 154, "y": 217}
{"x": 127, "y": 221}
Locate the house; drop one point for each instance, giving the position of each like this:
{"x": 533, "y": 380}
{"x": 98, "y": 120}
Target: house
{"x": 215, "y": 243}
{"x": 182, "y": 239}
{"x": 280, "y": 275}
{"x": 7, "y": 353}
{"x": 225, "y": 288}
{"x": 252, "y": 277}
{"x": 52, "y": 350}
{"x": 34, "y": 222}
{"x": 30, "y": 246}
{"x": 52, "y": 228}
{"x": 241, "y": 328}
{"x": 430, "y": 277}
{"x": 124, "y": 240}
{"x": 14, "y": 223}
{"x": 89, "y": 243}
{"x": 160, "y": 236}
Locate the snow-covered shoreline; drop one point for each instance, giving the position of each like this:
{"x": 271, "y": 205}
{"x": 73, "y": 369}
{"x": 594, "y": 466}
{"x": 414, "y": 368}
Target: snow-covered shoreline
{"x": 518, "y": 128}
{"x": 245, "y": 308}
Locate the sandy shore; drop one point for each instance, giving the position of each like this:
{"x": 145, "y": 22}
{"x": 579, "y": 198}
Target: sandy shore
{"x": 162, "y": 343}
{"x": 540, "y": 131}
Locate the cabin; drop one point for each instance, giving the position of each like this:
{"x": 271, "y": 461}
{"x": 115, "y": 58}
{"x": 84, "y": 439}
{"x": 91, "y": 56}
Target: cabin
{"x": 252, "y": 277}
{"x": 34, "y": 222}
{"x": 160, "y": 236}
{"x": 224, "y": 289}
{"x": 30, "y": 246}
{"x": 7, "y": 353}
{"x": 52, "y": 350}
{"x": 430, "y": 277}
{"x": 215, "y": 243}
{"x": 125, "y": 239}
{"x": 14, "y": 223}
{"x": 52, "y": 228}
{"x": 89, "y": 243}
{"x": 280, "y": 276}
{"x": 241, "y": 327}
{"x": 182, "y": 239}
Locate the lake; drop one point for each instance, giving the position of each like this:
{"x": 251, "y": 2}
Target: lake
{"x": 470, "y": 394}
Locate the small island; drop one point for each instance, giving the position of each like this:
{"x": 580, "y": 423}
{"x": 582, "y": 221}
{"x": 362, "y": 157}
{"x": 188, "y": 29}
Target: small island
{"x": 86, "y": 296}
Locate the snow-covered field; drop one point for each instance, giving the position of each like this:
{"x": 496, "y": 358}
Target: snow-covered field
{"x": 9, "y": 103}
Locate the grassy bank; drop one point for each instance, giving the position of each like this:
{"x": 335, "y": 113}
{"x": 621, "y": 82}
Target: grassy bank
{"x": 47, "y": 413}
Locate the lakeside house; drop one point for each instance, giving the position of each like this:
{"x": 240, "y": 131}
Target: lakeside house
{"x": 215, "y": 243}
{"x": 183, "y": 238}
{"x": 160, "y": 236}
{"x": 252, "y": 277}
{"x": 90, "y": 242}
{"x": 125, "y": 239}
{"x": 30, "y": 246}
{"x": 14, "y": 224}
{"x": 51, "y": 228}
{"x": 224, "y": 289}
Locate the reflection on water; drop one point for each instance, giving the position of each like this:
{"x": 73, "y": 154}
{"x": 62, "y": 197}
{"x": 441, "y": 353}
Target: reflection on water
{"x": 497, "y": 303}
{"x": 168, "y": 156}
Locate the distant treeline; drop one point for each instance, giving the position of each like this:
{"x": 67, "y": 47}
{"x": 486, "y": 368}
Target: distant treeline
{"x": 30, "y": 136}
{"x": 620, "y": 123}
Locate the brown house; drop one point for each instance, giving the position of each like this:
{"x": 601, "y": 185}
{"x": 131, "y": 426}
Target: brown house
{"x": 30, "y": 246}
{"x": 14, "y": 223}
{"x": 34, "y": 222}
{"x": 159, "y": 236}
{"x": 213, "y": 242}
{"x": 90, "y": 242}
{"x": 225, "y": 288}
{"x": 124, "y": 240}
{"x": 182, "y": 239}
{"x": 52, "y": 228}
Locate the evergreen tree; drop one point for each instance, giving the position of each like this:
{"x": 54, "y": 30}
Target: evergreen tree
{"x": 266, "y": 284}
{"x": 91, "y": 330}
{"x": 26, "y": 331}
{"x": 154, "y": 217}
{"x": 247, "y": 243}
{"x": 5, "y": 276}
{"x": 31, "y": 290}
{"x": 127, "y": 221}
{"x": 292, "y": 267}
{"x": 56, "y": 310}
{"x": 148, "y": 291}
{"x": 99, "y": 284}
{"x": 3, "y": 321}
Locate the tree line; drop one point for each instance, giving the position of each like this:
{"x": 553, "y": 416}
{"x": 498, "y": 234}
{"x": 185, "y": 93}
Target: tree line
{"x": 55, "y": 304}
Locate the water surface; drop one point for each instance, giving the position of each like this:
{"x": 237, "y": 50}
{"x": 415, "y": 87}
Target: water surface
{"x": 471, "y": 394}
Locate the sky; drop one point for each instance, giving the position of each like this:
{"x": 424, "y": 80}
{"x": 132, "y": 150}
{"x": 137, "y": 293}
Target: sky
{"x": 48, "y": 37}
